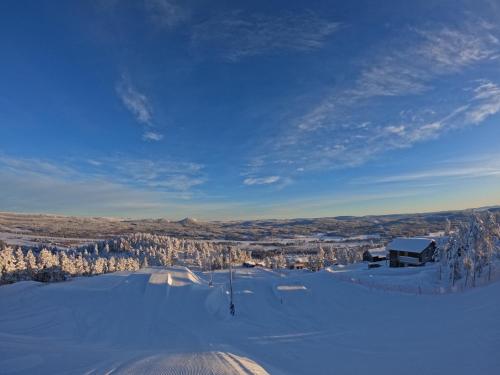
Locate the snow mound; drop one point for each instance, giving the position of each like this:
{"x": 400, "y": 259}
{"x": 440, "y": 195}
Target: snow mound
{"x": 290, "y": 288}
{"x": 174, "y": 276}
{"x": 213, "y": 363}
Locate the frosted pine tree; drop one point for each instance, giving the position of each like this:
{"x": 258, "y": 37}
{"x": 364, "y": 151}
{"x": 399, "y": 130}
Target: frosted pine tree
{"x": 45, "y": 259}
{"x": 31, "y": 263}
{"x": 472, "y": 249}
{"x": 20, "y": 261}
{"x": 111, "y": 264}
{"x": 8, "y": 264}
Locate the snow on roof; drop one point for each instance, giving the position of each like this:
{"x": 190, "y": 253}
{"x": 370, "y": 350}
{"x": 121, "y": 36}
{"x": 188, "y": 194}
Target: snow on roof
{"x": 378, "y": 252}
{"x": 413, "y": 245}
{"x": 300, "y": 259}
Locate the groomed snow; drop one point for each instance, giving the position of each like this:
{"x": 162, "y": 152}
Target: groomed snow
{"x": 131, "y": 323}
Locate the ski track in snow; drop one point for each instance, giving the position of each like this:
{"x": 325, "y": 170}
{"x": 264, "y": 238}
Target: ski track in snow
{"x": 169, "y": 321}
{"x": 216, "y": 363}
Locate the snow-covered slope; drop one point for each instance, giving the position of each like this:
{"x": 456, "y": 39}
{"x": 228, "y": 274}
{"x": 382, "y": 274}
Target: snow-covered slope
{"x": 169, "y": 321}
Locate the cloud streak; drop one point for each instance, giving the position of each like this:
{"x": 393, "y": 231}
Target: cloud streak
{"x": 166, "y": 13}
{"x": 487, "y": 166}
{"x": 139, "y": 105}
{"x": 152, "y": 136}
{"x": 236, "y": 35}
{"x": 155, "y": 175}
{"x": 486, "y": 102}
{"x": 366, "y": 117}
{"x": 136, "y": 102}
{"x": 261, "y": 180}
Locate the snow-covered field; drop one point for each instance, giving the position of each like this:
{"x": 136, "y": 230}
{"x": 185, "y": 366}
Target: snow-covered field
{"x": 169, "y": 321}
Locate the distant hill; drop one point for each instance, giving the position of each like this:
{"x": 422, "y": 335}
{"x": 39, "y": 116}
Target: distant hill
{"x": 188, "y": 221}
{"x": 386, "y": 226}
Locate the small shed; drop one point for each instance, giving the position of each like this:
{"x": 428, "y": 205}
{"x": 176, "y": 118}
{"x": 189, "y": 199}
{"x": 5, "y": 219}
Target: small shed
{"x": 375, "y": 255}
{"x": 298, "y": 263}
{"x": 410, "y": 251}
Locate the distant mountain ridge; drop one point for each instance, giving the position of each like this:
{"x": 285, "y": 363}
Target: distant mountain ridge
{"x": 341, "y": 226}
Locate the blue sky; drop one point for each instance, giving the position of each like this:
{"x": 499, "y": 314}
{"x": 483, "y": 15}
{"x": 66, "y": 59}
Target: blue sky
{"x": 228, "y": 110}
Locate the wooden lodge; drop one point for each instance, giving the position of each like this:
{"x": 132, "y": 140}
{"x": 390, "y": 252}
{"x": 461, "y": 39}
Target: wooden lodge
{"x": 405, "y": 252}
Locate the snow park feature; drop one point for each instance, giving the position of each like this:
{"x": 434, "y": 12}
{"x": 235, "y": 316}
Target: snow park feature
{"x": 167, "y": 320}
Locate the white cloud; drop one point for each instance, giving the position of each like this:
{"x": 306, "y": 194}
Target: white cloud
{"x": 152, "y": 136}
{"x": 94, "y": 162}
{"x": 367, "y": 117}
{"x": 236, "y": 35}
{"x": 261, "y": 180}
{"x": 486, "y": 102}
{"x": 136, "y": 102}
{"x": 155, "y": 174}
{"x": 452, "y": 49}
{"x": 431, "y": 53}
{"x": 139, "y": 105}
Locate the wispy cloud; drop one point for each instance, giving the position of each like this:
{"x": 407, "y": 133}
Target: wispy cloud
{"x": 100, "y": 186}
{"x": 152, "y": 136}
{"x": 488, "y": 166}
{"x": 35, "y": 167}
{"x": 139, "y": 105}
{"x": 369, "y": 115}
{"x": 167, "y": 13}
{"x": 486, "y": 102}
{"x": 165, "y": 175}
{"x": 453, "y": 49}
{"x": 237, "y": 35}
{"x": 154, "y": 175}
{"x": 431, "y": 53}
{"x": 136, "y": 102}
{"x": 261, "y": 180}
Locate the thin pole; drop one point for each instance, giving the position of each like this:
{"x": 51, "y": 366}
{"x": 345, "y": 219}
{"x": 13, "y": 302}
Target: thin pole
{"x": 210, "y": 283}
{"x": 231, "y": 304}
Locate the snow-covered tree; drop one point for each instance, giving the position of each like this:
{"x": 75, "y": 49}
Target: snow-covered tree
{"x": 20, "y": 261}
{"x": 471, "y": 250}
{"x": 31, "y": 262}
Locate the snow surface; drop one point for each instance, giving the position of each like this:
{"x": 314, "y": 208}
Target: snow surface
{"x": 169, "y": 321}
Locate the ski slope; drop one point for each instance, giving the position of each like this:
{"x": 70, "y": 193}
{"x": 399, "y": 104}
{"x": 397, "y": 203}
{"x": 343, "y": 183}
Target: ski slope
{"x": 169, "y": 321}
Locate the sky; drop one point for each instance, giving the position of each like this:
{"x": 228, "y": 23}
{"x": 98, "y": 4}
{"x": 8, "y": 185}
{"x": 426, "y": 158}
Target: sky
{"x": 241, "y": 110}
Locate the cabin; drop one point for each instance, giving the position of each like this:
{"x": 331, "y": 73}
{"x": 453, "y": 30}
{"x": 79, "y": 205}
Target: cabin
{"x": 375, "y": 255}
{"x": 297, "y": 263}
{"x": 405, "y": 252}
